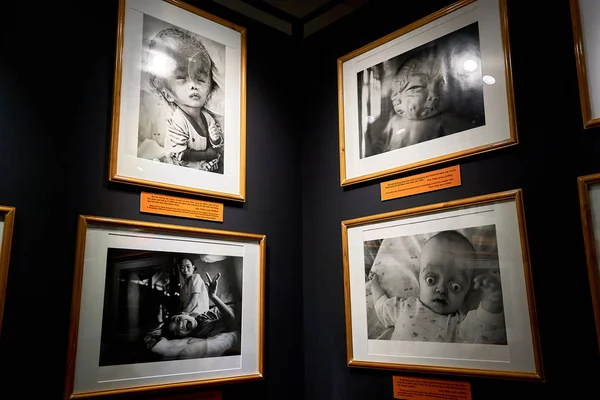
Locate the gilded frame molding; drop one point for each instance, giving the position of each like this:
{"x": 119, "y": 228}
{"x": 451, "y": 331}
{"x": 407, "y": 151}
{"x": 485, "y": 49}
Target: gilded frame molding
{"x": 113, "y": 175}
{"x": 582, "y": 75}
{"x": 8, "y": 215}
{"x": 84, "y": 221}
{"x": 591, "y": 252}
{"x": 512, "y": 195}
{"x": 512, "y": 138}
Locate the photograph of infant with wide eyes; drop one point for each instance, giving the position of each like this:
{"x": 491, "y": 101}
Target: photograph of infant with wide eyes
{"x": 439, "y": 287}
{"x": 426, "y": 93}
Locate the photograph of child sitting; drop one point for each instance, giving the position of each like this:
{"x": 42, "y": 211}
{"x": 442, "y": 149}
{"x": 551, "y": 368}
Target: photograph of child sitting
{"x": 181, "y": 99}
{"x": 438, "y": 287}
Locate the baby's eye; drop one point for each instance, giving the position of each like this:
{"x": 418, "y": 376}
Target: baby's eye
{"x": 416, "y": 88}
{"x": 430, "y": 280}
{"x": 455, "y": 287}
{"x": 180, "y": 77}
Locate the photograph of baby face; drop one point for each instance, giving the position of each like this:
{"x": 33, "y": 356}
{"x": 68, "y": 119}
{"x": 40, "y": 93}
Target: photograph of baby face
{"x": 182, "y": 117}
{"x": 431, "y": 91}
{"x": 441, "y": 286}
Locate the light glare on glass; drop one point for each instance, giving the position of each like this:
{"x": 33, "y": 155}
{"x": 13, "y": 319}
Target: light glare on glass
{"x": 470, "y": 65}
{"x": 488, "y": 79}
{"x": 160, "y": 64}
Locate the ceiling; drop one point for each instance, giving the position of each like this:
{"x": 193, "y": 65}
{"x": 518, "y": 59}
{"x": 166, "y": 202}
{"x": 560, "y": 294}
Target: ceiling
{"x": 294, "y": 17}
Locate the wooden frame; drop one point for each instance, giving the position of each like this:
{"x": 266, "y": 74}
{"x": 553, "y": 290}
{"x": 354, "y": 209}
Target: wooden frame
{"x": 97, "y": 287}
{"x": 591, "y": 240}
{"x": 587, "y": 76}
{"x": 7, "y": 220}
{"x": 398, "y": 238}
{"x": 191, "y": 141}
{"x": 379, "y": 137}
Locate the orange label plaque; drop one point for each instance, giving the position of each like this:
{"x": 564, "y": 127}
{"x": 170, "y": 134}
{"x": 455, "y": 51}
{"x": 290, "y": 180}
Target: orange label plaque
{"x": 180, "y": 207}
{"x": 427, "y": 182}
{"x": 427, "y": 389}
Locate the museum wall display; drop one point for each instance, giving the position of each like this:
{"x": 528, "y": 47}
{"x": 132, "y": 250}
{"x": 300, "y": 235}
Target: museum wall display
{"x": 584, "y": 17}
{"x": 63, "y": 173}
{"x": 194, "y": 205}
{"x": 553, "y": 150}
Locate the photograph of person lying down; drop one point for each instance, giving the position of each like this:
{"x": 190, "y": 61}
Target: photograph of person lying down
{"x": 440, "y": 287}
{"x": 428, "y": 92}
{"x": 162, "y": 306}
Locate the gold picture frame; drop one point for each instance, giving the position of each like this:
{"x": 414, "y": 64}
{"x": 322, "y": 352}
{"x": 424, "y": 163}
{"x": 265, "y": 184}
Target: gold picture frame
{"x": 379, "y": 137}
{"x": 192, "y": 142}
{"x": 581, "y": 45}
{"x": 120, "y": 339}
{"x": 389, "y": 246}
{"x": 7, "y": 220}
{"x": 590, "y": 239}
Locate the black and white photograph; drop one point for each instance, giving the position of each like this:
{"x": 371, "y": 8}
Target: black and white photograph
{"x": 589, "y": 204}
{"x": 169, "y": 306}
{"x": 179, "y": 100}
{"x": 584, "y": 17}
{"x": 444, "y": 288}
{"x": 437, "y": 287}
{"x": 182, "y": 118}
{"x": 431, "y": 91}
{"x": 157, "y": 306}
{"x": 434, "y": 90}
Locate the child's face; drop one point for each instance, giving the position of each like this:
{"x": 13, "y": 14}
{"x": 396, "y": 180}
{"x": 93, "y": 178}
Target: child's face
{"x": 187, "y": 268}
{"x": 444, "y": 277}
{"x": 181, "y": 325}
{"x": 190, "y": 83}
{"x": 416, "y": 90}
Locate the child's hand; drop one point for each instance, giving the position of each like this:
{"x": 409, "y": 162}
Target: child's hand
{"x": 212, "y": 284}
{"x": 491, "y": 299}
{"x": 215, "y": 132}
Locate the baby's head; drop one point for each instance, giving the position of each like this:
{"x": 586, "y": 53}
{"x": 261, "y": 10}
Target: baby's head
{"x": 180, "y": 68}
{"x": 419, "y": 86}
{"x": 446, "y": 271}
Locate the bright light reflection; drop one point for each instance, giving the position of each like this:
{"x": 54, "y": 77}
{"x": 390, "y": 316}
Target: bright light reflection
{"x": 211, "y": 258}
{"x": 160, "y": 64}
{"x": 470, "y": 65}
{"x": 488, "y": 79}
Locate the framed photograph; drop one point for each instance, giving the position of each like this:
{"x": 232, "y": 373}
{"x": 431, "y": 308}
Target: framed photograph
{"x": 443, "y": 288}
{"x": 7, "y": 218}
{"x": 589, "y": 198}
{"x": 584, "y": 15}
{"x": 179, "y": 105}
{"x": 161, "y": 306}
{"x": 436, "y": 90}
